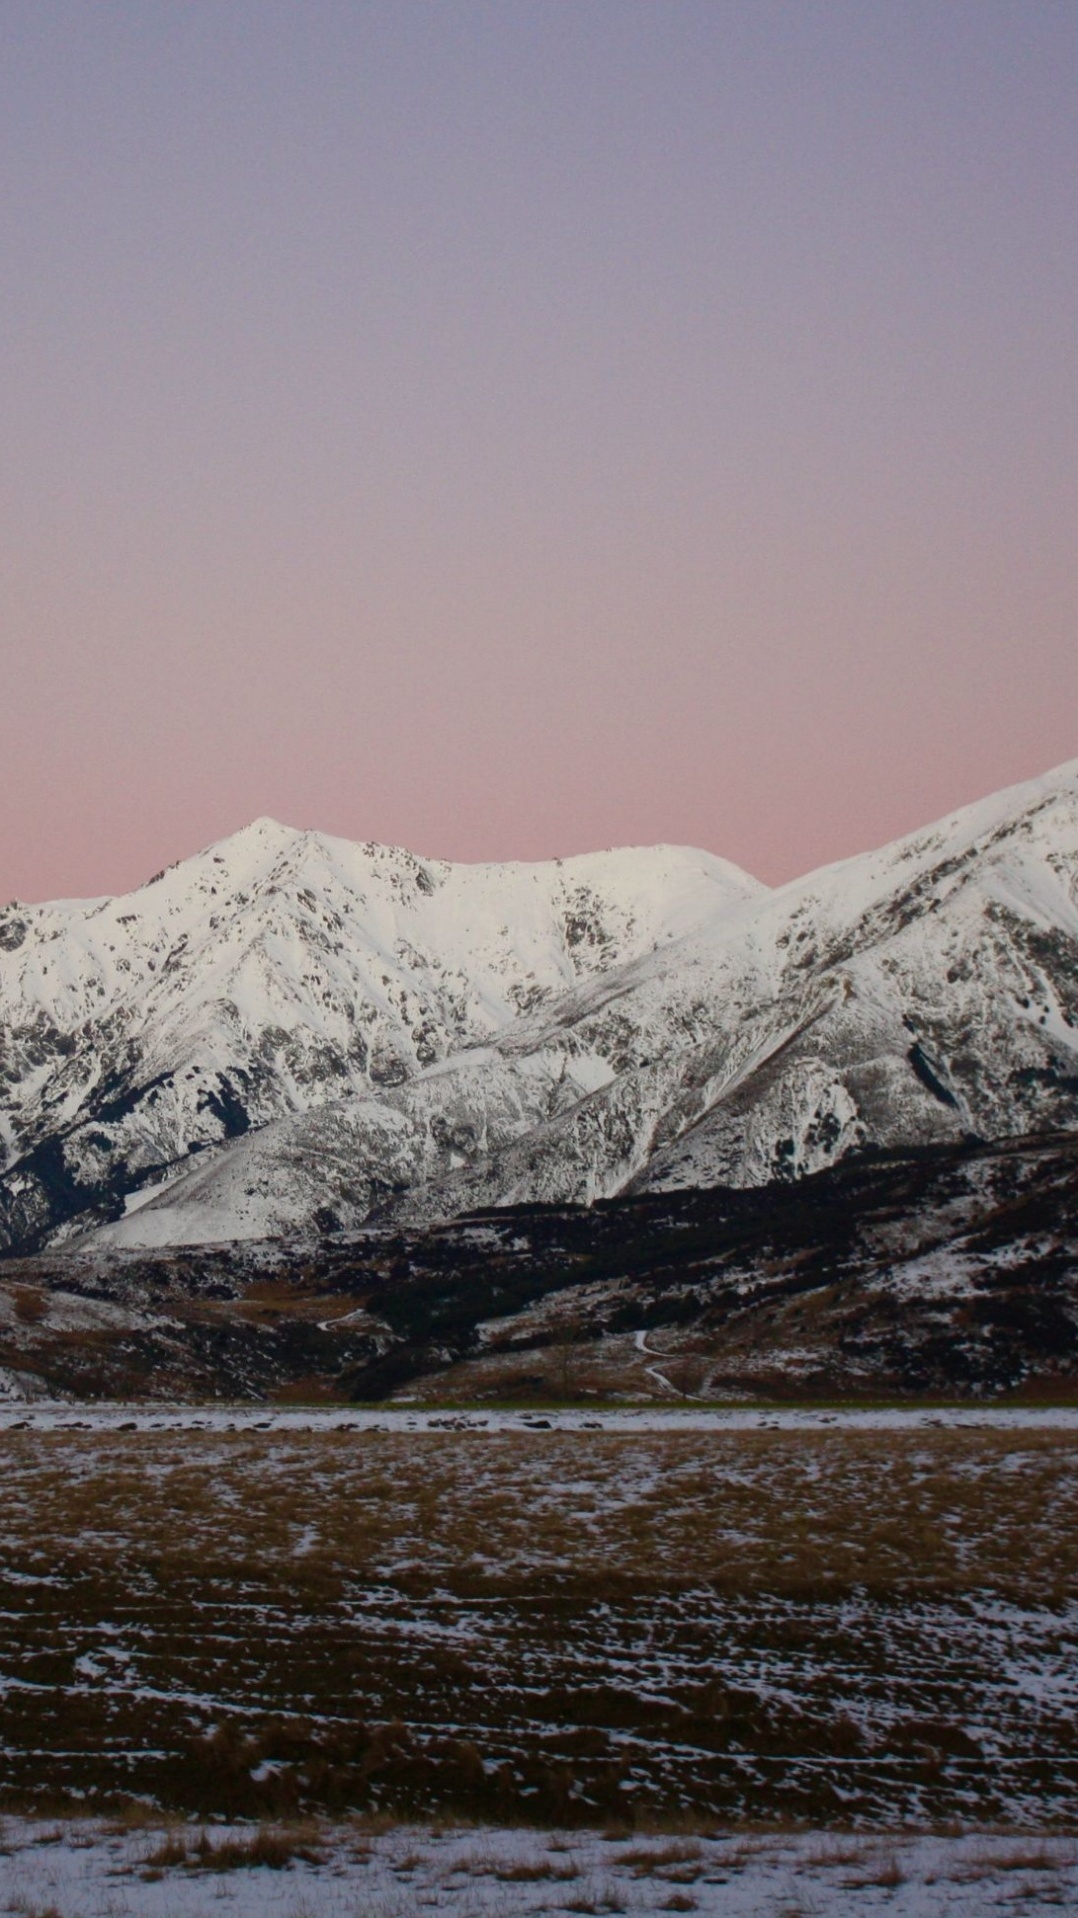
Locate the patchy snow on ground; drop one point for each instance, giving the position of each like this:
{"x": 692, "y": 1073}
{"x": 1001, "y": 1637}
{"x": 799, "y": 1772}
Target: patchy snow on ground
{"x": 869, "y": 1626}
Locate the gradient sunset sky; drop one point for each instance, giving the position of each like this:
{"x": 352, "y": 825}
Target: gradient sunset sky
{"x": 508, "y": 429}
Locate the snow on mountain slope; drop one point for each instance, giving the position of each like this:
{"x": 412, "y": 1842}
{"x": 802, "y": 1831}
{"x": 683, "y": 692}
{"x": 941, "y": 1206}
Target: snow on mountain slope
{"x": 918, "y": 994}
{"x": 274, "y": 972}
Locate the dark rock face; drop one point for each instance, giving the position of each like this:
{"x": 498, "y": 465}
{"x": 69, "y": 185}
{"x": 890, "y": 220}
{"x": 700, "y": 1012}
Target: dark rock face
{"x": 227, "y": 1106}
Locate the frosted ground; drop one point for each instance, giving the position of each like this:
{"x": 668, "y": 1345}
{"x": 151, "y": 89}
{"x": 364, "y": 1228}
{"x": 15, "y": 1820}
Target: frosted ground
{"x": 61, "y": 1415}
{"x": 87, "y": 1871}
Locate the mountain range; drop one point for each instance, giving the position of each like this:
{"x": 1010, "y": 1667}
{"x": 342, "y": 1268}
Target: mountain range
{"x": 292, "y": 1034}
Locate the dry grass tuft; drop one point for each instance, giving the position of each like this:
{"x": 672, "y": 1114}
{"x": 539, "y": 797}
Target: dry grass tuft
{"x": 538, "y": 1872}
{"x": 885, "y": 1873}
{"x": 270, "y": 1847}
{"x": 31, "y": 1304}
{"x": 645, "y": 1860}
{"x": 987, "y": 1862}
{"x": 170, "y": 1852}
{"x": 1030, "y": 1858}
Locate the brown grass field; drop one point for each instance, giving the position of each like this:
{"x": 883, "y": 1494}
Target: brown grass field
{"x": 825, "y": 1625}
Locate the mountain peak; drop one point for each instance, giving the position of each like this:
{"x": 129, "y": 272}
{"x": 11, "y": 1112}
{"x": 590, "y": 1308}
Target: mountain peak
{"x": 262, "y": 831}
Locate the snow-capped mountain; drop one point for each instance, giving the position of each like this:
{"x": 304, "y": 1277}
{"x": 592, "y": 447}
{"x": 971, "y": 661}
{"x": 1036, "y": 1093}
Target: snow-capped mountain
{"x": 280, "y": 970}
{"x": 405, "y": 1039}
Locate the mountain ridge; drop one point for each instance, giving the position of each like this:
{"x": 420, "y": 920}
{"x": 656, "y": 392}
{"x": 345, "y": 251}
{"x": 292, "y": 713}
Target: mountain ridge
{"x": 312, "y": 1033}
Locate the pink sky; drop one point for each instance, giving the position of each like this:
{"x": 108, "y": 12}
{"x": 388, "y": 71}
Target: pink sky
{"x": 508, "y": 429}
